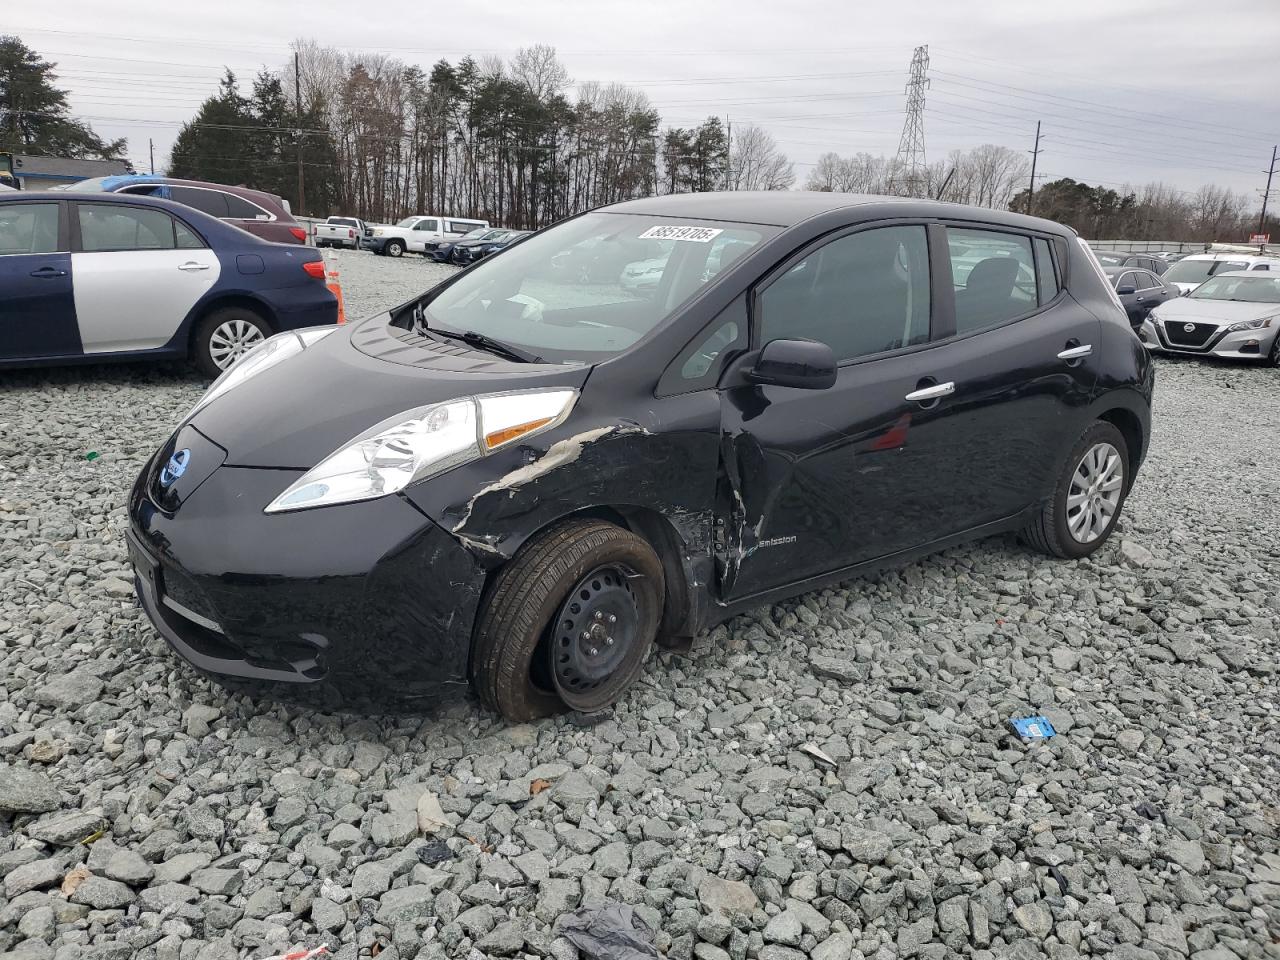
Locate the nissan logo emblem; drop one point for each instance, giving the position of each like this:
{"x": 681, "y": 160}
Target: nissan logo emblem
{"x": 1188, "y": 328}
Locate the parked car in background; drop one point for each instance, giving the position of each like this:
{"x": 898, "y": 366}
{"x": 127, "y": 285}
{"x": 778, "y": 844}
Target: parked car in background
{"x": 440, "y": 250}
{"x": 1232, "y": 314}
{"x": 263, "y": 214}
{"x": 413, "y": 233}
{"x": 469, "y": 251}
{"x": 1189, "y": 272}
{"x": 93, "y": 277}
{"x": 340, "y": 232}
{"x": 531, "y": 476}
{"x": 1140, "y": 291}
{"x": 1143, "y": 261}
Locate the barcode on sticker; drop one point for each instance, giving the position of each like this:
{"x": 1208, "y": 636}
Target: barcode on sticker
{"x": 693, "y": 234}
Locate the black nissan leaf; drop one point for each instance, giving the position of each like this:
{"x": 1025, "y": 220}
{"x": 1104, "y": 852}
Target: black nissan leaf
{"x": 526, "y": 477}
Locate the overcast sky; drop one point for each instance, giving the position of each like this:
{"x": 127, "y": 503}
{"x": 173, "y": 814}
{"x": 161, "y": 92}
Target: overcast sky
{"x": 1128, "y": 90}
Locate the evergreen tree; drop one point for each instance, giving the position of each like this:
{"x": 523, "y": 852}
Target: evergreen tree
{"x": 34, "y": 114}
{"x": 216, "y": 145}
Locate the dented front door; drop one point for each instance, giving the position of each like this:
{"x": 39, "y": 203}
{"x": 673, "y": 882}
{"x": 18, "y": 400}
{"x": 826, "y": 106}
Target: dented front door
{"x": 817, "y": 480}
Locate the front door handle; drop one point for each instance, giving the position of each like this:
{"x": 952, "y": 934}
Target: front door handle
{"x": 48, "y": 273}
{"x": 191, "y": 265}
{"x": 1075, "y": 353}
{"x": 935, "y": 392}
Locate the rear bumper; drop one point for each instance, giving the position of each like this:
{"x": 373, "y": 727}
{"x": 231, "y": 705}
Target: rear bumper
{"x": 359, "y": 606}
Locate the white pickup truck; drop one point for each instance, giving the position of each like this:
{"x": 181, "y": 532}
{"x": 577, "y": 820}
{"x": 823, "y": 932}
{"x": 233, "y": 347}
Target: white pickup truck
{"x": 412, "y": 233}
{"x": 340, "y": 232}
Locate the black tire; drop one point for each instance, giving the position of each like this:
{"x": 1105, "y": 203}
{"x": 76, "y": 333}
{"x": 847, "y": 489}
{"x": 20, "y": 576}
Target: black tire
{"x": 1049, "y": 532}
{"x": 1273, "y": 355}
{"x": 511, "y": 666}
{"x": 394, "y": 248}
{"x": 202, "y": 347}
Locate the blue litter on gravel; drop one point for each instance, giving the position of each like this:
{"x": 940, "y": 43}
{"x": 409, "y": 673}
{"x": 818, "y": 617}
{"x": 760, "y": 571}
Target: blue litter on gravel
{"x": 1033, "y": 728}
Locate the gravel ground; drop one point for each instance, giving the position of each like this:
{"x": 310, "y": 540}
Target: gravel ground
{"x": 145, "y": 813}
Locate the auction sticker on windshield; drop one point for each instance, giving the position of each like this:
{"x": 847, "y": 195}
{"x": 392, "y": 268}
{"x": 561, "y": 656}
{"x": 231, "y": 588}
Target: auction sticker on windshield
{"x": 694, "y": 234}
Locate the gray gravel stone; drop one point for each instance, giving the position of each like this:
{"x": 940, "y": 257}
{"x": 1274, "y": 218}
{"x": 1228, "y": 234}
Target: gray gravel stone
{"x": 102, "y": 894}
{"x": 727, "y": 896}
{"x": 1035, "y": 919}
{"x": 129, "y": 867}
{"x": 23, "y": 790}
{"x": 32, "y": 876}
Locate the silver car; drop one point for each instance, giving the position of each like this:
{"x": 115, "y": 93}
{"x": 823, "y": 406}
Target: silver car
{"x": 1234, "y": 314}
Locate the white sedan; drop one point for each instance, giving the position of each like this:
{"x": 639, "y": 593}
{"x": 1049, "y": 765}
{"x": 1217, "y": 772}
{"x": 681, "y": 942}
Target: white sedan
{"x": 1233, "y": 315}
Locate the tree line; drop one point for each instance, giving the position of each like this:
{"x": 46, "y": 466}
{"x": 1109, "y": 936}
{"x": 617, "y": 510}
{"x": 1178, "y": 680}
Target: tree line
{"x": 518, "y": 143}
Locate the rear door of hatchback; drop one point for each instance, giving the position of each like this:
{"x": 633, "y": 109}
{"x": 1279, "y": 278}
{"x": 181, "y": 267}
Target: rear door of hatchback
{"x": 964, "y": 370}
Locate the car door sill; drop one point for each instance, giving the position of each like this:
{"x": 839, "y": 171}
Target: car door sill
{"x": 723, "y": 611}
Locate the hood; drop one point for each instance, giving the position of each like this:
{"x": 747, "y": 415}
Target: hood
{"x": 1223, "y": 312}
{"x": 296, "y": 413}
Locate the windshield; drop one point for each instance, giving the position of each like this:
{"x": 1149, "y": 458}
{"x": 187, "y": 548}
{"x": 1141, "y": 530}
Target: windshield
{"x": 561, "y": 293}
{"x": 1197, "y": 271}
{"x": 408, "y": 221}
{"x": 1248, "y": 289}
{"x": 343, "y": 222}
{"x": 1111, "y": 259}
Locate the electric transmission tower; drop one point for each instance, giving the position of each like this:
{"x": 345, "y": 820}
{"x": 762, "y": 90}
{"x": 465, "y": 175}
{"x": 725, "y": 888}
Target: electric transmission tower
{"x": 909, "y": 172}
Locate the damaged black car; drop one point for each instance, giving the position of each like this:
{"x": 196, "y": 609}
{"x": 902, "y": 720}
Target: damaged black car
{"x": 526, "y": 477}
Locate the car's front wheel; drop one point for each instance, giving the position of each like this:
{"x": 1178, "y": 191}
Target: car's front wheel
{"x": 226, "y": 335}
{"x": 569, "y": 622}
{"x": 1087, "y": 498}
{"x": 394, "y": 248}
{"x": 1273, "y": 355}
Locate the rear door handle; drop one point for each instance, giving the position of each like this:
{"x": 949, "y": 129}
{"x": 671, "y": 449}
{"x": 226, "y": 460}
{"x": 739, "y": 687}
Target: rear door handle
{"x": 48, "y": 273}
{"x": 191, "y": 265}
{"x": 1075, "y": 353}
{"x": 935, "y": 392}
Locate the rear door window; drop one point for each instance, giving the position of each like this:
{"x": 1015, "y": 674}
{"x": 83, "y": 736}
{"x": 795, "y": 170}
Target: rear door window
{"x": 431, "y": 225}
{"x": 994, "y": 275}
{"x": 28, "y": 228}
{"x": 106, "y": 227}
{"x": 238, "y": 208}
{"x": 212, "y": 202}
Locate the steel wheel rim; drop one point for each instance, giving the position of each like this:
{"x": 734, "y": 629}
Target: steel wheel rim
{"x": 593, "y": 635}
{"x": 231, "y": 340}
{"x": 1093, "y": 496}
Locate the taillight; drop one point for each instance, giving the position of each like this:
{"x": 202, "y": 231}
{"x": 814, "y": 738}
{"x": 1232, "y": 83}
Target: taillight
{"x": 351, "y": 234}
{"x": 299, "y": 233}
{"x": 314, "y": 268}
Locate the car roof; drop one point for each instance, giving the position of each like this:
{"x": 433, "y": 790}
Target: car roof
{"x": 206, "y": 224}
{"x": 785, "y": 208}
{"x": 1250, "y": 257}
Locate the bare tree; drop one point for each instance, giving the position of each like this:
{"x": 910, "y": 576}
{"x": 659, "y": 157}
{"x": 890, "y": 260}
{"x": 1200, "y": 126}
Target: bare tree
{"x": 539, "y": 69}
{"x": 756, "y": 163}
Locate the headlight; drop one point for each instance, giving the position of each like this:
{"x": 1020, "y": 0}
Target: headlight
{"x": 423, "y": 442}
{"x": 377, "y": 232}
{"x": 1257, "y": 324}
{"x": 265, "y": 355}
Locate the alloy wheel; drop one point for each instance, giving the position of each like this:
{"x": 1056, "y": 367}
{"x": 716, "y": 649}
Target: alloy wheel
{"x": 232, "y": 340}
{"x": 1094, "y": 494}
{"x": 592, "y": 634}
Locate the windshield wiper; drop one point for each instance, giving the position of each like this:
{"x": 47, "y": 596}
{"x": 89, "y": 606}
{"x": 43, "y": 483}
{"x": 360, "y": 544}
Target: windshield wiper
{"x": 486, "y": 342}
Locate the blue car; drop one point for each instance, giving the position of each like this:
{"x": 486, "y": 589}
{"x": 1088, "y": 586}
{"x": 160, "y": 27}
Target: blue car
{"x": 121, "y": 277}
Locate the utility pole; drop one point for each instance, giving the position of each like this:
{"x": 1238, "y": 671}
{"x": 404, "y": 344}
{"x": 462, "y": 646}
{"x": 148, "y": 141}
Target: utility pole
{"x": 151, "y": 148}
{"x": 1035, "y": 155}
{"x": 728, "y": 152}
{"x": 297, "y": 107}
{"x": 911, "y": 146}
{"x": 1266, "y": 194}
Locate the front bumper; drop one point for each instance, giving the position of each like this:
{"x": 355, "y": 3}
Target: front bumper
{"x": 361, "y": 605}
{"x": 1240, "y": 345}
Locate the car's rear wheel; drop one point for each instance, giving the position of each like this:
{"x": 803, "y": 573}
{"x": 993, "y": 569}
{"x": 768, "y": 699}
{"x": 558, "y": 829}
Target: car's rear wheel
{"x": 1087, "y": 498}
{"x": 226, "y": 335}
{"x": 569, "y": 622}
{"x": 394, "y": 248}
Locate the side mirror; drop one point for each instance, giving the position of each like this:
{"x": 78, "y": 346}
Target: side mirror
{"x": 1125, "y": 291}
{"x": 803, "y": 364}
